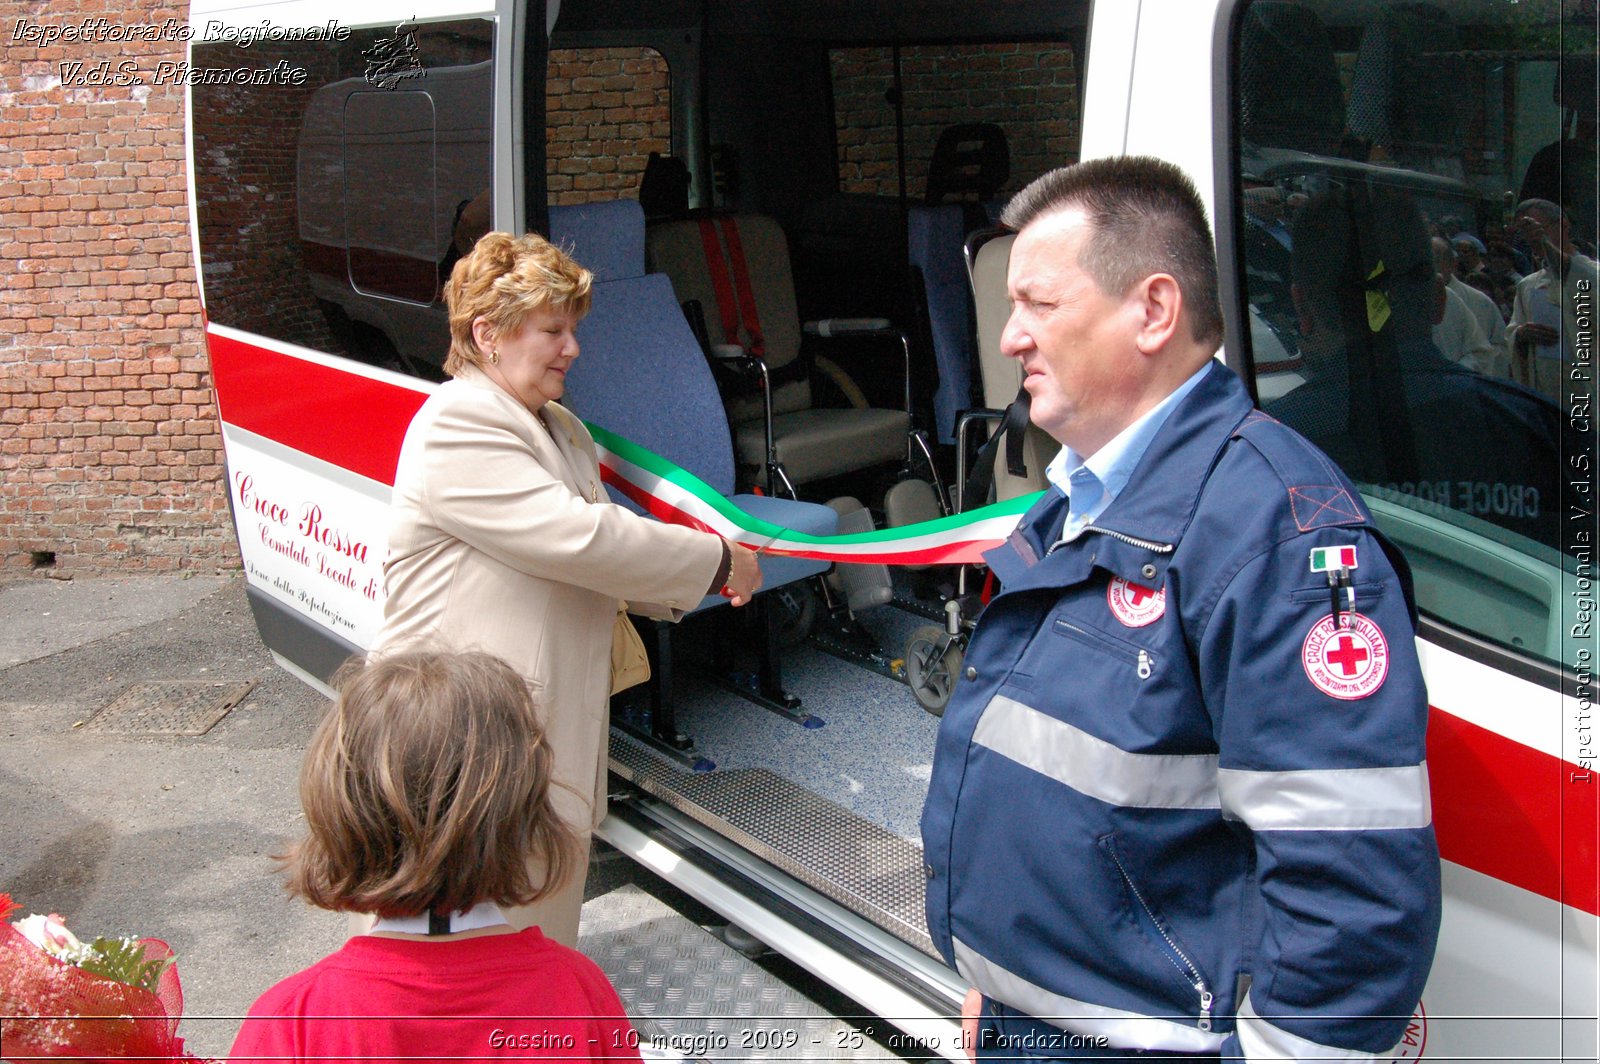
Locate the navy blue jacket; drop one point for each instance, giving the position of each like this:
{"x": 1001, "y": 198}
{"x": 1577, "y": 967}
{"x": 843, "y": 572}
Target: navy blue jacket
{"x": 1175, "y": 801}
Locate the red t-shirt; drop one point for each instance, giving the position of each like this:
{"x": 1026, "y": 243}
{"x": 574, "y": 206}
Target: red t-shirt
{"x": 508, "y": 997}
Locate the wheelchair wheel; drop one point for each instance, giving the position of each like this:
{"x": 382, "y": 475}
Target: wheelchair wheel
{"x": 933, "y": 662}
{"x": 794, "y": 613}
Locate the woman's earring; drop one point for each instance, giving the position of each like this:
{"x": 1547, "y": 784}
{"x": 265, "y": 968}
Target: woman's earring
{"x": 494, "y": 357}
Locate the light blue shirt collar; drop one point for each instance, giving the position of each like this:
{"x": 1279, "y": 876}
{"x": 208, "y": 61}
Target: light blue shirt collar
{"x": 1093, "y": 483}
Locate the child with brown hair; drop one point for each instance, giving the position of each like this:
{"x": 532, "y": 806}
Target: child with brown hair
{"x": 426, "y": 795}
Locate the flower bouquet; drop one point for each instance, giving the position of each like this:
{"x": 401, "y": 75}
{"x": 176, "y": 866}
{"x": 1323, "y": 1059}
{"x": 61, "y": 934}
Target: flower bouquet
{"x": 63, "y": 999}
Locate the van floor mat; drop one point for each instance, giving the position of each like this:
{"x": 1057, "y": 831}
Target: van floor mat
{"x": 693, "y": 997}
{"x": 867, "y": 869}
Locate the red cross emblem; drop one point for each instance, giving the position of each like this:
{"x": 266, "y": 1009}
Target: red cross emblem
{"x": 1346, "y": 659}
{"x": 1133, "y": 605}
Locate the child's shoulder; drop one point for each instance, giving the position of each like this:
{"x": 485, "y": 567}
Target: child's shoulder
{"x": 288, "y": 994}
{"x": 584, "y": 970}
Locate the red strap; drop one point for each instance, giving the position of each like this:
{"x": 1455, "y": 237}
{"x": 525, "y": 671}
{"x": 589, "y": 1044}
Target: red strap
{"x": 741, "y": 279}
{"x": 718, "y": 267}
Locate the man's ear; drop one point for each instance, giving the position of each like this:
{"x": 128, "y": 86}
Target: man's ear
{"x": 1161, "y": 305}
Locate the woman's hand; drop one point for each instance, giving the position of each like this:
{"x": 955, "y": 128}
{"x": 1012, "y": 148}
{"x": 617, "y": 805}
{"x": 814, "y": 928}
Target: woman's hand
{"x": 744, "y": 574}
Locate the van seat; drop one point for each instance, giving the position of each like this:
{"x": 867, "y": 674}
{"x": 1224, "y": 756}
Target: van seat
{"x": 988, "y": 258}
{"x": 737, "y": 268}
{"x": 606, "y": 237}
{"x": 934, "y": 239}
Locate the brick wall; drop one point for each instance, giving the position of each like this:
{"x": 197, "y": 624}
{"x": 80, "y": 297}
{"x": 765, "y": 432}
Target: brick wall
{"x": 1029, "y": 90}
{"x": 607, "y": 109}
{"x": 109, "y": 451}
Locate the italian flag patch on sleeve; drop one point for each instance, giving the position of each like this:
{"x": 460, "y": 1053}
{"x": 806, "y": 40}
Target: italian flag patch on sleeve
{"x": 1328, "y": 559}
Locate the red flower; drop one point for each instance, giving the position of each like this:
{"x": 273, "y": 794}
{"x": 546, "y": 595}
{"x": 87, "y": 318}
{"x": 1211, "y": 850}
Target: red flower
{"x": 7, "y": 906}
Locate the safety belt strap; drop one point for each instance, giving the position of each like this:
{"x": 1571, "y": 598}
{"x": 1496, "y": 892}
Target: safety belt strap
{"x": 741, "y": 283}
{"x": 717, "y": 265}
{"x": 1012, "y": 432}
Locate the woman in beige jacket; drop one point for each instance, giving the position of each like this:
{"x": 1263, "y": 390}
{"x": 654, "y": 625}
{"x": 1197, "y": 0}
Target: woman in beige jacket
{"x": 502, "y": 538}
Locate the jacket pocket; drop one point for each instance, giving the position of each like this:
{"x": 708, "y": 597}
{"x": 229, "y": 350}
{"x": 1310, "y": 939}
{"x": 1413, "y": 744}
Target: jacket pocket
{"x": 1137, "y": 658}
{"x": 1161, "y": 936}
{"x": 1365, "y": 593}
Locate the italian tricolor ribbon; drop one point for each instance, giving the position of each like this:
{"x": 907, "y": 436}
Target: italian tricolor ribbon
{"x": 673, "y": 494}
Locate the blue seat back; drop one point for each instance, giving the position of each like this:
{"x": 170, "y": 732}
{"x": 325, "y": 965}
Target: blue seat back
{"x": 641, "y": 374}
{"x": 608, "y": 237}
{"x": 934, "y": 238}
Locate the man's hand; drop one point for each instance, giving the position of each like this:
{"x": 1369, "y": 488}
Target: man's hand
{"x": 971, "y": 1008}
{"x": 744, "y": 574}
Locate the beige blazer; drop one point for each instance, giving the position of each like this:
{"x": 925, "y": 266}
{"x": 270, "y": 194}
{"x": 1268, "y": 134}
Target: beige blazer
{"x": 502, "y": 539}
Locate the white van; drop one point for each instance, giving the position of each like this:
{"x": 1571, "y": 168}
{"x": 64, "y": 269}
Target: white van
{"x": 326, "y": 214}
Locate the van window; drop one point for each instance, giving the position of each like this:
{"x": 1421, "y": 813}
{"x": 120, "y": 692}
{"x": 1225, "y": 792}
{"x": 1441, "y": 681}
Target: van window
{"x": 390, "y": 225}
{"x": 1382, "y": 153}
{"x": 606, "y": 110}
{"x": 332, "y": 204}
{"x": 1028, "y": 91}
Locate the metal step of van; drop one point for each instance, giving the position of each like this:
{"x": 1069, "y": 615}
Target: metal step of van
{"x": 868, "y": 870}
{"x": 692, "y": 997}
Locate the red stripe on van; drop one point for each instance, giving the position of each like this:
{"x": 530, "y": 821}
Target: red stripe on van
{"x": 346, "y": 419}
{"x": 1500, "y": 808}
{"x": 1513, "y": 812}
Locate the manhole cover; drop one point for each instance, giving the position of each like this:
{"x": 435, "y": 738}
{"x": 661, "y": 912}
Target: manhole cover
{"x": 179, "y": 708}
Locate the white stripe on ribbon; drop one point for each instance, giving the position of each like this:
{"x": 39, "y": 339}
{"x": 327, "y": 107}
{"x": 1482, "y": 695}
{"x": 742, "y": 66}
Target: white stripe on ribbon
{"x": 1094, "y": 767}
{"x": 1120, "y": 1027}
{"x": 697, "y": 504}
{"x": 1345, "y": 799}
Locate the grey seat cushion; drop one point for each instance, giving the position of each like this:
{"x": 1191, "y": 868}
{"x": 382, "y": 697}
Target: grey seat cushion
{"x": 818, "y": 443}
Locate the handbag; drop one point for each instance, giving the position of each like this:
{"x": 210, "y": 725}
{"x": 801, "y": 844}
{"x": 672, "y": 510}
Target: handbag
{"x": 630, "y": 666}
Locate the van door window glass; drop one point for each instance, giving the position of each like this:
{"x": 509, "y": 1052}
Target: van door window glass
{"x": 331, "y": 208}
{"x": 389, "y": 159}
{"x": 1026, "y": 92}
{"x": 607, "y": 110}
{"x": 1386, "y": 267}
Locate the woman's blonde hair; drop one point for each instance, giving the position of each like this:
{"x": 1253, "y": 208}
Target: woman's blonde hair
{"x": 427, "y": 787}
{"x": 503, "y": 280}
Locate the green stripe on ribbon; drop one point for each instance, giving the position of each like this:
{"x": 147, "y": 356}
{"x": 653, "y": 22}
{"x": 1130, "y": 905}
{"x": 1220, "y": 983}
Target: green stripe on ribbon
{"x": 944, "y": 529}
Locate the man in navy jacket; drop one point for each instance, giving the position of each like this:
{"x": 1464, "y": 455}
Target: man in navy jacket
{"x": 1179, "y": 801}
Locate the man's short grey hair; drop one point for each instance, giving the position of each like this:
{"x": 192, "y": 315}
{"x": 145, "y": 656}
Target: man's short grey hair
{"x": 1548, "y": 211}
{"x": 1145, "y": 217}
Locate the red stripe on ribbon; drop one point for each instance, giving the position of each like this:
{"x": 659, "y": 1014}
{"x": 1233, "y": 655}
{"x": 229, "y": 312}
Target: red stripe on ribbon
{"x": 656, "y": 507}
{"x": 1513, "y": 812}
{"x": 343, "y": 418}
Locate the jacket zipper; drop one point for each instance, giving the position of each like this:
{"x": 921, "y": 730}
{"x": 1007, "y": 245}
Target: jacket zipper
{"x": 1142, "y": 661}
{"x": 1179, "y": 959}
{"x": 1123, "y": 537}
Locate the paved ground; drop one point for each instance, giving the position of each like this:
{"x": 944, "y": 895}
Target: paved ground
{"x": 164, "y": 837}
{"x": 169, "y": 838}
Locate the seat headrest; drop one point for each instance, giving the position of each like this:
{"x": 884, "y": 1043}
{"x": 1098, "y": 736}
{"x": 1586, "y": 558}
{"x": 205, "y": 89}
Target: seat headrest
{"x": 607, "y": 238}
{"x": 969, "y": 159}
